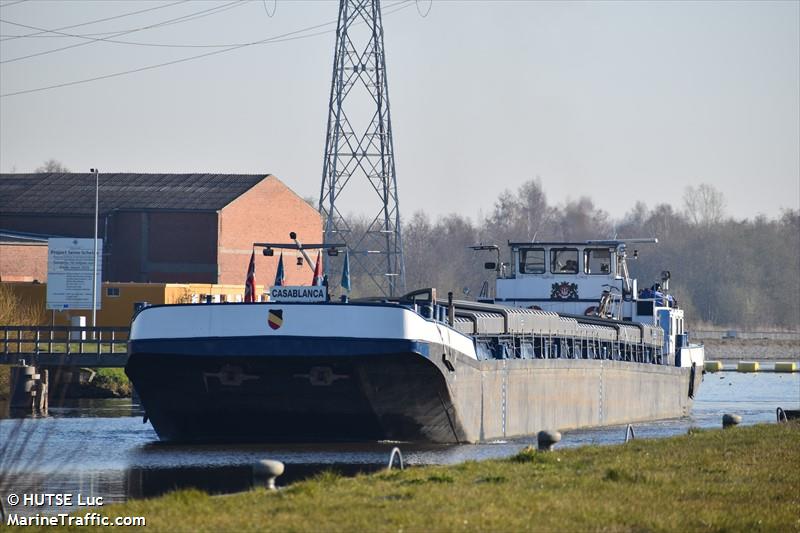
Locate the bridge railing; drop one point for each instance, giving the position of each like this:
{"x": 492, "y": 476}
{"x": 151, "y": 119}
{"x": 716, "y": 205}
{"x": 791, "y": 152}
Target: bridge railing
{"x": 63, "y": 340}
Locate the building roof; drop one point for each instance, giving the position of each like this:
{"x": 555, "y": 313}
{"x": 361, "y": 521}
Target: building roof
{"x": 19, "y": 237}
{"x": 73, "y": 194}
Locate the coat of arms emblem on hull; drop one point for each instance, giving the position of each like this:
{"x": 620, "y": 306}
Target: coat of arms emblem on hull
{"x": 564, "y": 291}
{"x": 275, "y": 318}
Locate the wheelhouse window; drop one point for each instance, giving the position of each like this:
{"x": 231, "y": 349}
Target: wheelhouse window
{"x": 597, "y": 261}
{"x": 531, "y": 260}
{"x": 564, "y": 261}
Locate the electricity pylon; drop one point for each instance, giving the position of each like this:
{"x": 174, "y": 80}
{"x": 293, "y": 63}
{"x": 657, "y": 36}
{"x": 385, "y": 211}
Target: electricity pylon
{"x": 359, "y": 152}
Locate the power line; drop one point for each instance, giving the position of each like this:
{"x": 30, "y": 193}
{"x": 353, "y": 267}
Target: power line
{"x": 115, "y": 41}
{"x": 12, "y": 37}
{"x": 402, "y": 4}
{"x": 12, "y": 3}
{"x": 182, "y": 18}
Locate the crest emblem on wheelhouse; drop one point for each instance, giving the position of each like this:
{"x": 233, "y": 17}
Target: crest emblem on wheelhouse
{"x": 564, "y": 291}
{"x": 275, "y": 318}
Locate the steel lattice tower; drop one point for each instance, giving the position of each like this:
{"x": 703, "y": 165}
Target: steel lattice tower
{"x": 359, "y": 151}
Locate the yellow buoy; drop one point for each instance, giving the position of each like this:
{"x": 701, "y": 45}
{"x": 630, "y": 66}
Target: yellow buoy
{"x": 785, "y": 367}
{"x": 748, "y": 366}
{"x": 713, "y": 366}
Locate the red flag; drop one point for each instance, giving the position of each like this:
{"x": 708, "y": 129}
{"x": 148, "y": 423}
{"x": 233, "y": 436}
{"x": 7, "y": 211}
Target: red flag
{"x": 250, "y": 284}
{"x": 317, "y": 272}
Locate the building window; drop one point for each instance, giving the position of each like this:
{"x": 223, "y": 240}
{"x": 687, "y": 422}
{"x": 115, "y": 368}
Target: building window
{"x": 564, "y": 260}
{"x": 531, "y": 261}
{"x": 112, "y": 292}
{"x": 597, "y": 261}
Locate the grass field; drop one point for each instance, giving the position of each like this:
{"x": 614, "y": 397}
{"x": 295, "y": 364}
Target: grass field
{"x": 740, "y": 479}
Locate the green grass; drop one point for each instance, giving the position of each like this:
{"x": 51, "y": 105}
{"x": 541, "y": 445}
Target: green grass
{"x": 741, "y": 479}
{"x": 113, "y": 380}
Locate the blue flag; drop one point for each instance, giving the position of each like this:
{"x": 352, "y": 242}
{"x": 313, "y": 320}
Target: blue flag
{"x": 346, "y": 271}
{"x": 279, "y": 275}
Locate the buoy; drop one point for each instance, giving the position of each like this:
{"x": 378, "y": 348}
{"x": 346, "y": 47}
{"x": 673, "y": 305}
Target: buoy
{"x": 547, "y": 439}
{"x": 265, "y": 472}
{"x": 748, "y": 366}
{"x": 729, "y": 420}
{"x": 713, "y": 366}
{"x": 785, "y": 367}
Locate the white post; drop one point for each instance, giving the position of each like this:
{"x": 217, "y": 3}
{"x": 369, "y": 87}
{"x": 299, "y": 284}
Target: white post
{"x": 94, "y": 268}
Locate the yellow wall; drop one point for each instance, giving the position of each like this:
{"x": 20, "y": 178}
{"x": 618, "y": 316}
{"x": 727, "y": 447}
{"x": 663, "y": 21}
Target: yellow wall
{"x": 118, "y": 310}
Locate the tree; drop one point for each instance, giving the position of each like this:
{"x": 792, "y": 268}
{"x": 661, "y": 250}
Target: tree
{"x": 523, "y": 215}
{"x": 579, "y": 220}
{"x": 703, "y": 205}
{"x": 52, "y": 166}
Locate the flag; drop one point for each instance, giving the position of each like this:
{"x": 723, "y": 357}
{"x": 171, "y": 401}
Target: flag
{"x": 250, "y": 283}
{"x": 317, "y": 272}
{"x": 279, "y": 275}
{"x": 346, "y": 271}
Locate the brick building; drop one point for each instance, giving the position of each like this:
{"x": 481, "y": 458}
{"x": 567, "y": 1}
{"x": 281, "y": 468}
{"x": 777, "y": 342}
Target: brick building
{"x": 160, "y": 228}
{"x": 23, "y": 257}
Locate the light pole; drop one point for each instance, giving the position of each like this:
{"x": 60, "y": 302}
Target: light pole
{"x": 94, "y": 267}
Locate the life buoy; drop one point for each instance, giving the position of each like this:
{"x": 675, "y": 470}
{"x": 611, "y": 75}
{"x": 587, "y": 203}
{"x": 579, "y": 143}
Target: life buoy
{"x": 590, "y": 311}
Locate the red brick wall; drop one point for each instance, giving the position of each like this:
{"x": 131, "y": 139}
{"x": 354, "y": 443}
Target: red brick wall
{"x": 23, "y": 262}
{"x": 266, "y": 213}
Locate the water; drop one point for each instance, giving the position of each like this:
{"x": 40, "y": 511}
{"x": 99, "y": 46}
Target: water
{"x": 102, "y": 448}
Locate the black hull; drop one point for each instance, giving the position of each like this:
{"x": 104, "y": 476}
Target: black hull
{"x": 326, "y": 390}
{"x": 278, "y": 398}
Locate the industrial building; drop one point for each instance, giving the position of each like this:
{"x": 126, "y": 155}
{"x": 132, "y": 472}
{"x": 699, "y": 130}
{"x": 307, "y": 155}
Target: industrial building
{"x": 156, "y": 228}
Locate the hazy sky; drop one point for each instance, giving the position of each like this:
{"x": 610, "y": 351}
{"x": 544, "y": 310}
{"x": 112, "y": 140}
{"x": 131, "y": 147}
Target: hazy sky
{"x": 619, "y": 101}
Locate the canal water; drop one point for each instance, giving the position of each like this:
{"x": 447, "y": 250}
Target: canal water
{"x": 102, "y": 448}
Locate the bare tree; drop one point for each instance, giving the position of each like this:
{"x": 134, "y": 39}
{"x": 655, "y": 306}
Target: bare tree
{"x": 52, "y": 165}
{"x": 704, "y": 205}
{"x": 522, "y": 215}
{"x": 582, "y": 220}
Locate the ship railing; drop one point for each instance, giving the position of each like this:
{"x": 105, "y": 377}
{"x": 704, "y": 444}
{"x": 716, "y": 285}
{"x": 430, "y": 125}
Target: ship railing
{"x": 553, "y": 346}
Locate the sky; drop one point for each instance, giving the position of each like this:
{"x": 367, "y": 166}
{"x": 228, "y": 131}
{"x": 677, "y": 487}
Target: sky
{"x": 617, "y": 101}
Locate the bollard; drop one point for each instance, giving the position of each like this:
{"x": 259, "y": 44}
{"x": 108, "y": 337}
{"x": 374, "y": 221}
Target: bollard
{"x": 265, "y": 472}
{"x": 547, "y": 439}
{"x": 784, "y": 415}
{"x": 395, "y": 453}
{"x": 629, "y": 433}
{"x": 730, "y": 420}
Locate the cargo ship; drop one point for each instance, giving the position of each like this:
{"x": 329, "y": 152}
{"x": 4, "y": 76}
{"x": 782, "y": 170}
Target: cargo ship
{"x": 566, "y": 341}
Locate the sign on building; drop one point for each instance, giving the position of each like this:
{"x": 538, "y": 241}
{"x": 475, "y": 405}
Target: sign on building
{"x": 70, "y": 265}
{"x": 291, "y": 293}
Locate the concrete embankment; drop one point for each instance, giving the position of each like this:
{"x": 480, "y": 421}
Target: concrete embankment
{"x": 733, "y": 350}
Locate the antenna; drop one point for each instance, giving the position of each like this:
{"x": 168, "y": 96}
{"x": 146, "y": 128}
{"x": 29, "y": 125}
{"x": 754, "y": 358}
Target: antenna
{"x": 359, "y": 151}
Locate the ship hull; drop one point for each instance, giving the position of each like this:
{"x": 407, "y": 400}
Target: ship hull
{"x": 272, "y": 389}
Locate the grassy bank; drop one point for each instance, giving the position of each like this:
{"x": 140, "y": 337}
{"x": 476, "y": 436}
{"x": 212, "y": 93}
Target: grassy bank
{"x": 742, "y": 479}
